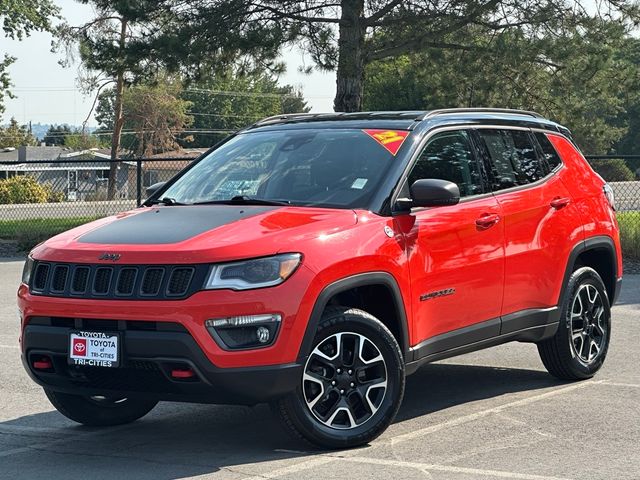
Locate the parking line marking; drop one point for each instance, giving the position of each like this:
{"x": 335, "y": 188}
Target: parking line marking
{"x": 322, "y": 459}
{"x": 298, "y": 467}
{"x": 483, "y": 413}
{"x": 619, "y": 384}
{"x": 10, "y": 346}
{"x": 451, "y": 469}
{"x": 27, "y": 429}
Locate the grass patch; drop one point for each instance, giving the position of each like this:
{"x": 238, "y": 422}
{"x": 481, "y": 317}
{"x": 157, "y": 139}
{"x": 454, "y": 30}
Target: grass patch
{"x": 28, "y": 233}
{"x": 630, "y": 234}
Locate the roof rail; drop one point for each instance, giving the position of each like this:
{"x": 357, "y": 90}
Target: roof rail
{"x": 284, "y": 116}
{"x": 507, "y": 111}
{"x": 292, "y": 117}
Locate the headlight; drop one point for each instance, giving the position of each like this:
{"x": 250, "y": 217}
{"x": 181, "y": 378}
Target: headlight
{"x": 26, "y": 270}
{"x": 256, "y": 273}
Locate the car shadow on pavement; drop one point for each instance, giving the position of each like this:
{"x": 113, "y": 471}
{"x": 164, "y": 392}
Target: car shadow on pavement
{"x": 182, "y": 440}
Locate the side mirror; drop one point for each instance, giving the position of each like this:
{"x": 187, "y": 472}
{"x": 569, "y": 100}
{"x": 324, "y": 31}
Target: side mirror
{"x": 154, "y": 188}
{"x": 431, "y": 192}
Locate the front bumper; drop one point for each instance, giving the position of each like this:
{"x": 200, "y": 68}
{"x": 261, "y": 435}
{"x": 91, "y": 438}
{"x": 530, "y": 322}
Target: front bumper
{"x": 147, "y": 360}
{"x": 293, "y": 301}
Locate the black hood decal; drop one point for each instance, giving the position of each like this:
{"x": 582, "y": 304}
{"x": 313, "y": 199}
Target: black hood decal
{"x": 174, "y": 224}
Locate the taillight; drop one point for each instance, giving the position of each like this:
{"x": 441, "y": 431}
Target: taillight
{"x": 608, "y": 193}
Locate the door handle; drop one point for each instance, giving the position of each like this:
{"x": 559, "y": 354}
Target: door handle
{"x": 487, "y": 220}
{"x": 560, "y": 202}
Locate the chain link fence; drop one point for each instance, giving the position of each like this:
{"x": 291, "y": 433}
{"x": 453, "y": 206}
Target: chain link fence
{"x": 41, "y": 198}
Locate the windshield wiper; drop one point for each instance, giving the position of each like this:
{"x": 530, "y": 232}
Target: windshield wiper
{"x": 244, "y": 200}
{"x": 166, "y": 201}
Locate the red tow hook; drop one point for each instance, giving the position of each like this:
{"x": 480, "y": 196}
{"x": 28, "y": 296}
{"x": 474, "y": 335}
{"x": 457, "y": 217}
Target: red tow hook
{"x": 182, "y": 373}
{"x": 43, "y": 363}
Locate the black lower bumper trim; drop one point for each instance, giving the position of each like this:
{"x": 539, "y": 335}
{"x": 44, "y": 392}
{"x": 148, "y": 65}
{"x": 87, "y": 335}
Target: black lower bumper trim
{"x": 147, "y": 360}
{"x": 616, "y": 292}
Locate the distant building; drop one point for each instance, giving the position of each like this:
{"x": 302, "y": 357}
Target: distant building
{"x": 80, "y": 175}
{"x": 162, "y": 166}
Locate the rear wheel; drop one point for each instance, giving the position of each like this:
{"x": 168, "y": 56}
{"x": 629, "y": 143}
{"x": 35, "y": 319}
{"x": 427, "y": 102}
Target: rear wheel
{"x": 579, "y": 347}
{"x": 99, "y": 411}
{"x": 352, "y": 384}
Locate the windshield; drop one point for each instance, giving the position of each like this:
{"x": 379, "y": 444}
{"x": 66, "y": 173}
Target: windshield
{"x": 319, "y": 167}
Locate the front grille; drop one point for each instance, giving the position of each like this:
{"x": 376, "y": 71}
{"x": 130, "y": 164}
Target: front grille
{"x": 125, "y": 282}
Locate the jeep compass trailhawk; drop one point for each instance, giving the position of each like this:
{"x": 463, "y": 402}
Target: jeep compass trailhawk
{"x": 313, "y": 261}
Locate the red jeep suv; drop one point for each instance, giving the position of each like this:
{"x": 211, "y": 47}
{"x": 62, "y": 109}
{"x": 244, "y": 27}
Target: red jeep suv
{"x": 314, "y": 260}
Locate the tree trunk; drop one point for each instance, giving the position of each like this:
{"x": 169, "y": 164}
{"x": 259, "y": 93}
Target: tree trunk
{"x": 118, "y": 122}
{"x": 350, "y": 74}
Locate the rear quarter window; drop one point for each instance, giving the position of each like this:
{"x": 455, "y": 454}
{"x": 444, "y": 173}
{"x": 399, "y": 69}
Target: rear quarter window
{"x": 549, "y": 153}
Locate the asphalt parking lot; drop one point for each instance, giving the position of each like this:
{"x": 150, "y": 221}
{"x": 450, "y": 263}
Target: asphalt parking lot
{"x": 492, "y": 414}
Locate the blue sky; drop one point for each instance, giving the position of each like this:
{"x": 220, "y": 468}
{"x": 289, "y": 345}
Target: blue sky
{"x": 48, "y": 93}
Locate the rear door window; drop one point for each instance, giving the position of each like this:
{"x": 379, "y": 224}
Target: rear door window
{"x": 513, "y": 158}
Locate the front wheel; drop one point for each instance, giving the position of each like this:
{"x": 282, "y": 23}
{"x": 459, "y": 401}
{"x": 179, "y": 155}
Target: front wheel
{"x": 579, "y": 347}
{"x": 99, "y": 411}
{"x": 352, "y": 383}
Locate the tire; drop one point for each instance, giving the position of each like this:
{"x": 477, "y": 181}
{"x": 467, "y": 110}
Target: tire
{"x": 99, "y": 411}
{"x": 585, "y": 320}
{"x": 368, "y": 382}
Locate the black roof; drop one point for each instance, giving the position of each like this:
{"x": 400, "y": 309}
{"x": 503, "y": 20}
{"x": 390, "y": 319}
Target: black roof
{"x": 410, "y": 119}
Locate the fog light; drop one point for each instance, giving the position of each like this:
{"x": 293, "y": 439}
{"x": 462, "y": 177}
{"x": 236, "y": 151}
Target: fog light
{"x": 244, "y": 331}
{"x": 263, "y": 334}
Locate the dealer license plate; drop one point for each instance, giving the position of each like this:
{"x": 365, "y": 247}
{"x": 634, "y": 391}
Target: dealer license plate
{"x": 94, "y": 349}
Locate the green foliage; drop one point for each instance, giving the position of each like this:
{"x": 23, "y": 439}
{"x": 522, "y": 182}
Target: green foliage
{"x": 15, "y": 135}
{"x": 56, "y": 134}
{"x": 83, "y": 141}
{"x": 25, "y": 189}
{"x": 613, "y": 170}
{"x": 219, "y": 103}
{"x": 346, "y": 36}
{"x": 232, "y": 100}
{"x": 630, "y": 234}
{"x": 155, "y": 112}
{"x": 580, "y": 79}
{"x": 5, "y": 80}
{"x": 20, "y": 18}
{"x": 29, "y": 233}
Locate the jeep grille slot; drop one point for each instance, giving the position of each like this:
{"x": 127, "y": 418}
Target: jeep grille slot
{"x": 40, "y": 278}
{"x": 179, "y": 281}
{"x": 124, "y": 282}
{"x": 80, "y": 279}
{"x": 102, "y": 280}
{"x": 151, "y": 281}
{"x": 59, "y": 280}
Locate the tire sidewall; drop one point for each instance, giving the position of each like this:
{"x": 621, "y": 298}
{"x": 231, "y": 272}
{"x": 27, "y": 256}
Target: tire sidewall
{"x": 357, "y": 322}
{"x": 583, "y": 276}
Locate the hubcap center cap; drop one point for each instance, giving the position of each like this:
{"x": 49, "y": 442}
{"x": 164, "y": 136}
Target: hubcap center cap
{"x": 344, "y": 381}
